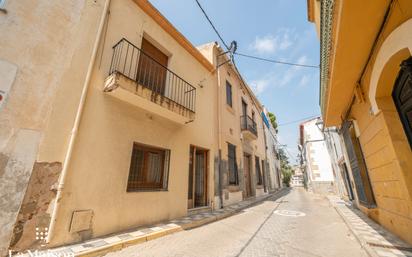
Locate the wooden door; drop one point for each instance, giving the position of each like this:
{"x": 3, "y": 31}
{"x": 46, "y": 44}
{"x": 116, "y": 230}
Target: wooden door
{"x": 198, "y": 176}
{"x": 152, "y": 69}
{"x": 248, "y": 184}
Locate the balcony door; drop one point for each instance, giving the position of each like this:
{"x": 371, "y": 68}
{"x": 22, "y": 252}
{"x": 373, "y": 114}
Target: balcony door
{"x": 152, "y": 68}
{"x": 198, "y": 175}
{"x": 244, "y": 114}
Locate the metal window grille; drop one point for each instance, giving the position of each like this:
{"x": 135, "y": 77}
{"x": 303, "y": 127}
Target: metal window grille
{"x": 149, "y": 168}
{"x": 358, "y": 166}
{"x": 233, "y": 172}
{"x": 259, "y": 179}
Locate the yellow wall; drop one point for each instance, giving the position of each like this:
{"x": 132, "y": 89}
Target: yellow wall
{"x": 385, "y": 147}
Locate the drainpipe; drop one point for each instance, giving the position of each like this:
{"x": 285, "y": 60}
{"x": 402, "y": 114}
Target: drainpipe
{"x": 219, "y": 126}
{"x": 266, "y": 155}
{"x": 76, "y": 124}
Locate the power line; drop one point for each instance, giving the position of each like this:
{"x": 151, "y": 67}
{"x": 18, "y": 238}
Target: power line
{"x": 211, "y": 24}
{"x": 254, "y": 57}
{"x": 295, "y": 121}
{"x": 278, "y": 62}
{"x": 246, "y": 55}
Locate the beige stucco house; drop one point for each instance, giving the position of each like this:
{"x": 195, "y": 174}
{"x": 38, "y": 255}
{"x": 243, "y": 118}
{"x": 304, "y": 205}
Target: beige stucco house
{"x": 241, "y": 137}
{"x": 125, "y": 120}
{"x": 111, "y": 119}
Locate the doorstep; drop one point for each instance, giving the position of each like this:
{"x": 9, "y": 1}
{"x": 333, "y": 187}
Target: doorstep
{"x": 376, "y": 240}
{"x": 104, "y": 245}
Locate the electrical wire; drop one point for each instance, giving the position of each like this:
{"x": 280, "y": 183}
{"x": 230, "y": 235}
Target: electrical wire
{"x": 278, "y": 62}
{"x": 254, "y": 57}
{"x": 211, "y": 24}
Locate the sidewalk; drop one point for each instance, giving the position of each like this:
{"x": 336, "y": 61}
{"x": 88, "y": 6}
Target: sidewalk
{"x": 103, "y": 245}
{"x": 374, "y": 238}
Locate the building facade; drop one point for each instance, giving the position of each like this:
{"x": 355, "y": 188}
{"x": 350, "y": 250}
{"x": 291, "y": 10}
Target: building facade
{"x": 336, "y": 150}
{"x": 243, "y": 162}
{"x": 365, "y": 90}
{"x": 130, "y": 132}
{"x": 124, "y": 123}
{"x": 316, "y": 159}
{"x": 274, "y": 180}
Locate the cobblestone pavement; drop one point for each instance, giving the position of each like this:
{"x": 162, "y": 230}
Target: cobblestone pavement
{"x": 271, "y": 228}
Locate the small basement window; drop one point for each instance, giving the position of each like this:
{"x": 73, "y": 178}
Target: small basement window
{"x": 149, "y": 169}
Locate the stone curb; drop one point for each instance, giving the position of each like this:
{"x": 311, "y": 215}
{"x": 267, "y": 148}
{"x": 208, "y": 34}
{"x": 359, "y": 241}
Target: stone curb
{"x": 156, "y": 232}
{"x": 361, "y": 241}
{"x": 99, "y": 251}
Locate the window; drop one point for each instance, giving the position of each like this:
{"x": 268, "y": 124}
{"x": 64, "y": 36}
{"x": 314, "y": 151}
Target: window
{"x": 402, "y": 96}
{"x": 149, "y": 168}
{"x": 2, "y": 3}
{"x": 152, "y": 71}
{"x": 233, "y": 175}
{"x": 264, "y": 167}
{"x": 228, "y": 94}
{"x": 358, "y": 166}
{"x": 259, "y": 179}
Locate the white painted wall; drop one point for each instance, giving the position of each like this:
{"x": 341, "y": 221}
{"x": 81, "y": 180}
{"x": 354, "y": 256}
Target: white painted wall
{"x": 317, "y": 156}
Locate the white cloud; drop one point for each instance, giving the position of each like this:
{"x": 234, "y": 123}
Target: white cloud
{"x": 304, "y": 80}
{"x": 266, "y": 44}
{"x": 303, "y": 59}
{"x": 281, "y": 78}
{"x": 270, "y": 44}
{"x": 259, "y": 86}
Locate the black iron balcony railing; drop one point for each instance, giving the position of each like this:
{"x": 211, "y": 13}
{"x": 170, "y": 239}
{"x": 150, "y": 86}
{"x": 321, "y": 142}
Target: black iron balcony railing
{"x": 133, "y": 63}
{"x": 247, "y": 123}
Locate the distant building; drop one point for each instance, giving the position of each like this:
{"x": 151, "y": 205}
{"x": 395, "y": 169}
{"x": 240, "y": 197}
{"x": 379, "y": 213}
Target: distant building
{"x": 274, "y": 174}
{"x": 297, "y": 177}
{"x": 316, "y": 161}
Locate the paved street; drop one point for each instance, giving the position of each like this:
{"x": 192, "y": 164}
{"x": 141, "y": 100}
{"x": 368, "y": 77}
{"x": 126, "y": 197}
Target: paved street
{"x": 263, "y": 230}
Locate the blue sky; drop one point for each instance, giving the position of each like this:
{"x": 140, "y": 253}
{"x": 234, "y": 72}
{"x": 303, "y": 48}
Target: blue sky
{"x": 276, "y": 29}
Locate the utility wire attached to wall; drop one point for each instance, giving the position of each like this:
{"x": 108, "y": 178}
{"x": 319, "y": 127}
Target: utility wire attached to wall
{"x": 230, "y": 48}
{"x": 278, "y": 62}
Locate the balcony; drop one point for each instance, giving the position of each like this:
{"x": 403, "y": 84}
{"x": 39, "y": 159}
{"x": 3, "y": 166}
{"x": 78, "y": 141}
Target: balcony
{"x": 248, "y": 127}
{"x": 138, "y": 79}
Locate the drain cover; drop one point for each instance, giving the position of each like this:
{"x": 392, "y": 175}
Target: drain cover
{"x": 289, "y": 213}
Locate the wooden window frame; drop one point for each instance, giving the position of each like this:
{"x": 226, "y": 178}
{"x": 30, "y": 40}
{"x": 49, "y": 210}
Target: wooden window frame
{"x": 133, "y": 183}
{"x": 229, "y": 94}
{"x": 235, "y": 171}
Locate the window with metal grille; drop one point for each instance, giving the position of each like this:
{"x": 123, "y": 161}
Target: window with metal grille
{"x": 228, "y": 94}
{"x": 149, "y": 168}
{"x": 233, "y": 173}
{"x": 357, "y": 163}
{"x": 259, "y": 179}
{"x": 402, "y": 96}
